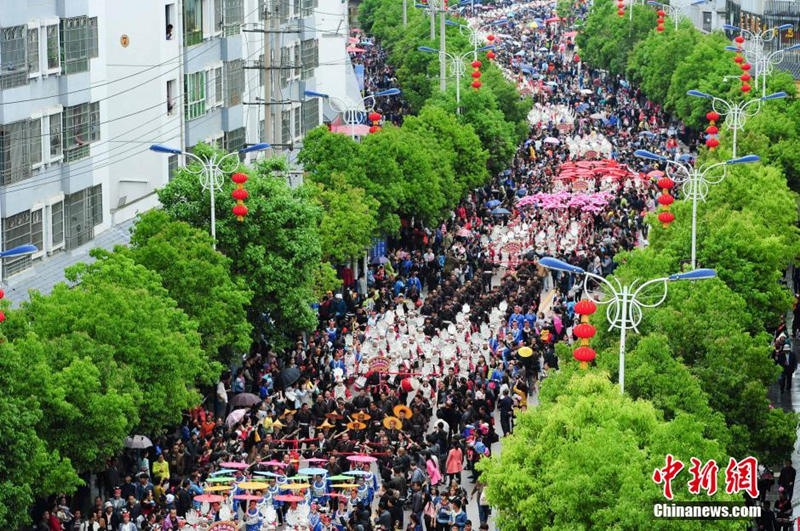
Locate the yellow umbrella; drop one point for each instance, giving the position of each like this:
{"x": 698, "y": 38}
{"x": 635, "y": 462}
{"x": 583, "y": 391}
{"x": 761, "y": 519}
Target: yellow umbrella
{"x": 344, "y": 485}
{"x": 253, "y": 485}
{"x": 295, "y": 486}
{"x": 525, "y": 352}
{"x": 218, "y": 488}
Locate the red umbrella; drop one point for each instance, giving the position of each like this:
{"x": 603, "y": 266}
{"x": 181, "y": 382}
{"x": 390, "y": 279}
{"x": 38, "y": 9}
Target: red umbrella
{"x": 247, "y": 497}
{"x": 288, "y": 498}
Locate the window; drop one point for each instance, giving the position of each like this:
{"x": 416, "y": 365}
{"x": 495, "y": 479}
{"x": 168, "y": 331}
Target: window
{"x": 296, "y": 71}
{"x": 92, "y": 35}
{"x": 234, "y": 140}
{"x": 95, "y": 205}
{"x": 171, "y": 93}
{"x": 218, "y": 16}
{"x": 192, "y": 22}
{"x": 261, "y": 70}
{"x": 15, "y": 159}
{"x": 286, "y": 71}
{"x": 36, "y": 141}
{"x": 172, "y": 166}
{"x": 262, "y": 132}
{"x": 310, "y": 109}
{"x": 57, "y": 223}
{"x": 286, "y": 127}
{"x": 707, "y": 21}
{"x": 296, "y": 7}
{"x": 234, "y": 82}
{"x": 81, "y": 127}
{"x": 79, "y": 231}
{"x": 195, "y": 95}
{"x": 53, "y": 48}
{"x": 169, "y": 21}
{"x": 33, "y": 50}
{"x": 284, "y": 9}
{"x": 16, "y": 232}
{"x": 234, "y": 16}
{"x": 75, "y": 45}
{"x": 214, "y": 93}
{"x": 298, "y": 131}
{"x": 308, "y": 7}
{"x": 37, "y": 234}
{"x": 12, "y": 55}
{"x": 55, "y": 136}
{"x": 309, "y": 53}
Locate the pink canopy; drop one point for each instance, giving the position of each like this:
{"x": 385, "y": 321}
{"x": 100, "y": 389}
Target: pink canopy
{"x": 356, "y": 130}
{"x": 354, "y": 49}
{"x": 562, "y": 200}
{"x": 208, "y": 498}
{"x": 234, "y": 464}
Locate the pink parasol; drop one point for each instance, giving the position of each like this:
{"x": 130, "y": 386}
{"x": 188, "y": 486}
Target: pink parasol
{"x": 272, "y": 463}
{"x": 235, "y": 465}
{"x": 208, "y": 498}
{"x": 315, "y": 460}
{"x": 288, "y": 498}
{"x": 362, "y": 458}
{"x": 247, "y": 497}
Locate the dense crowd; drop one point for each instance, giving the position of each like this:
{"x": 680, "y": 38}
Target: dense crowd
{"x": 378, "y": 418}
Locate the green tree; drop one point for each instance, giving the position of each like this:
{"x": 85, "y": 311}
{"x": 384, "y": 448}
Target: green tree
{"x": 349, "y": 220}
{"x": 325, "y": 155}
{"x": 584, "y": 460}
{"x": 198, "y": 278}
{"x": 274, "y": 250}
{"x": 654, "y": 59}
{"x": 607, "y": 39}
{"x": 123, "y": 307}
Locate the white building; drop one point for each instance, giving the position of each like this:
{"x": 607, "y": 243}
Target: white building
{"x": 87, "y": 85}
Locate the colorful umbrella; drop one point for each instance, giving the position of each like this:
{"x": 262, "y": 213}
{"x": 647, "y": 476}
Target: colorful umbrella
{"x": 219, "y": 479}
{"x": 222, "y": 471}
{"x": 235, "y": 416}
{"x": 268, "y": 474}
{"x": 208, "y": 498}
{"x": 313, "y": 471}
{"x": 247, "y": 497}
{"x": 344, "y": 486}
{"x": 234, "y": 464}
{"x": 288, "y": 498}
{"x": 218, "y": 488}
{"x": 340, "y": 477}
{"x": 525, "y": 352}
{"x": 272, "y": 463}
{"x": 360, "y": 458}
{"x": 315, "y": 460}
{"x": 357, "y": 472}
{"x": 253, "y": 485}
{"x": 295, "y": 486}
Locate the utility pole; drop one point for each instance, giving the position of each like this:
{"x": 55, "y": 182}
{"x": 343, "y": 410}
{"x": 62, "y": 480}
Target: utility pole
{"x": 442, "y": 50}
{"x": 405, "y": 13}
{"x": 271, "y": 19}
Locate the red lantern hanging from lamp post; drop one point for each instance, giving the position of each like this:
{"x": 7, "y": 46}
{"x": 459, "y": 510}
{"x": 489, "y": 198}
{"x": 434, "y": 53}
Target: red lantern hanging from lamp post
{"x": 665, "y": 200}
{"x": 239, "y": 194}
{"x": 712, "y": 141}
{"x": 584, "y": 331}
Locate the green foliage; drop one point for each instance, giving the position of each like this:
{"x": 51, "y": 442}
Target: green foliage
{"x": 349, "y": 219}
{"x": 607, "y": 38}
{"x": 274, "y": 250}
{"x": 654, "y": 59}
{"x": 131, "y": 321}
{"x": 198, "y": 278}
{"x": 584, "y": 460}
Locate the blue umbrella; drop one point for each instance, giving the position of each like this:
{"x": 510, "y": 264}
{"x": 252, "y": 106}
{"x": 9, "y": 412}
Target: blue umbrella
{"x": 500, "y": 212}
{"x": 493, "y": 203}
{"x": 268, "y": 474}
{"x": 312, "y": 471}
{"x": 357, "y": 473}
{"x": 222, "y": 472}
{"x": 522, "y": 192}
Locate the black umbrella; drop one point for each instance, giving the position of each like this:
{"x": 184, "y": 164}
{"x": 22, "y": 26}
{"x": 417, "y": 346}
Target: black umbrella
{"x": 289, "y": 376}
{"x": 245, "y": 400}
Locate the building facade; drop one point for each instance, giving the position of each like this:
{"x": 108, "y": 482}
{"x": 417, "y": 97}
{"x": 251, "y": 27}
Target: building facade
{"x": 87, "y": 85}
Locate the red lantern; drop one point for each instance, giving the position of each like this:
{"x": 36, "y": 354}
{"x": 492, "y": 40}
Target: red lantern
{"x": 405, "y": 384}
{"x": 745, "y": 77}
{"x": 712, "y": 143}
{"x": 661, "y": 13}
{"x": 660, "y": 20}
{"x": 374, "y": 129}
{"x": 584, "y": 331}
{"x": 576, "y": 58}
{"x": 239, "y": 178}
{"x": 2, "y": 294}
{"x": 240, "y": 194}
{"x": 712, "y": 130}
{"x": 739, "y": 39}
{"x": 712, "y": 116}
{"x": 476, "y": 84}
{"x": 584, "y": 355}
{"x": 374, "y": 117}
{"x": 490, "y": 38}
{"x": 476, "y": 74}
{"x": 621, "y": 12}
{"x": 665, "y": 200}
{"x": 490, "y": 55}
{"x": 666, "y": 218}
{"x": 746, "y": 88}
{"x": 660, "y": 28}
{"x": 738, "y": 59}
{"x": 476, "y": 64}
{"x": 240, "y": 211}
{"x": 585, "y": 307}
{"x": 746, "y": 67}
{"x": 2, "y": 316}
{"x": 665, "y": 183}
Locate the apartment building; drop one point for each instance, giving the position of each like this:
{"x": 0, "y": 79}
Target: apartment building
{"x": 87, "y": 85}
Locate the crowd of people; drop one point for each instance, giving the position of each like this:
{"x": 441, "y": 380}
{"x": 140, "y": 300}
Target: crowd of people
{"x": 377, "y": 419}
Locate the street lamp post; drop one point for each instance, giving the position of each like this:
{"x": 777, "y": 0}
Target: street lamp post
{"x": 696, "y": 182}
{"x": 753, "y": 48}
{"x": 737, "y": 113}
{"x": 475, "y": 33}
{"x": 210, "y": 173}
{"x": 674, "y": 11}
{"x": 624, "y": 310}
{"x": 457, "y": 67}
{"x": 353, "y": 113}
